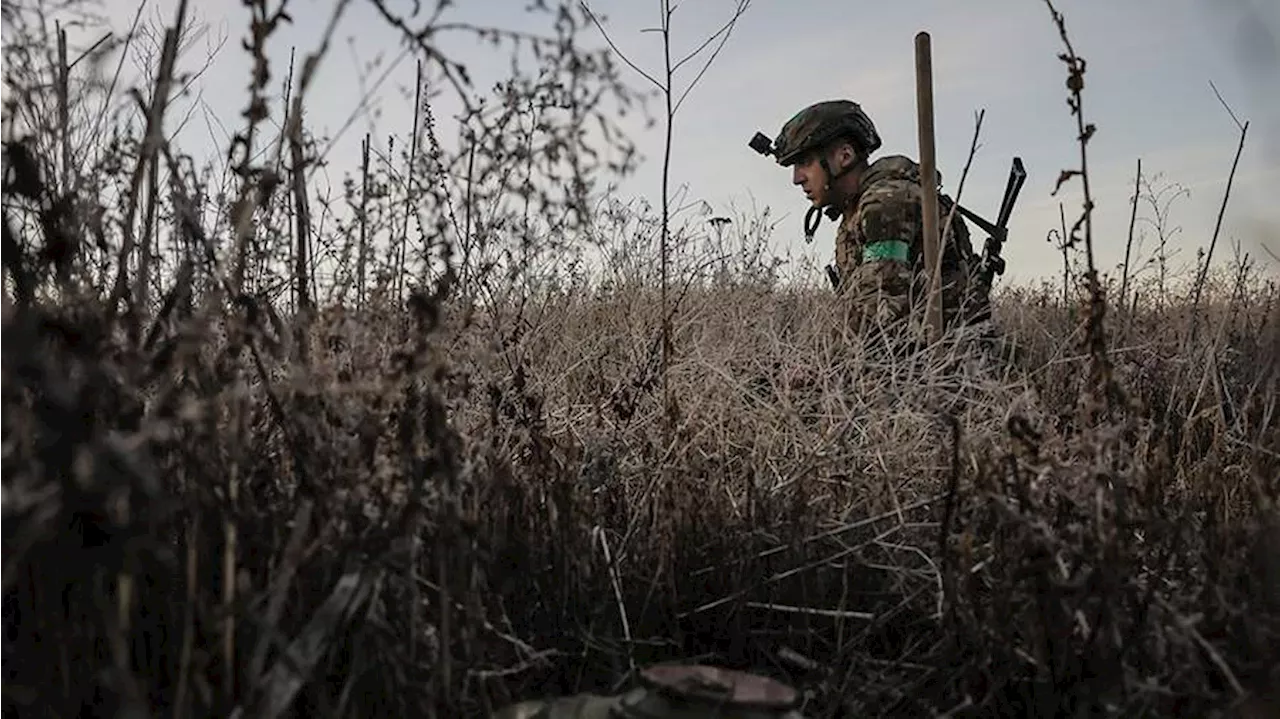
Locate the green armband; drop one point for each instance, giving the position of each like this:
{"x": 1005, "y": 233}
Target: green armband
{"x": 886, "y": 250}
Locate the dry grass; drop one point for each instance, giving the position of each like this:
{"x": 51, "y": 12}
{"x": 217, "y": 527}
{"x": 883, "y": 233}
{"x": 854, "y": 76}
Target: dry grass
{"x": 451, "y": 495}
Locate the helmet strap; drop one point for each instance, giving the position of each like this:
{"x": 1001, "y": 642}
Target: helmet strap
{"x": 814, "y": 216}
{"x": 811, "y": 220}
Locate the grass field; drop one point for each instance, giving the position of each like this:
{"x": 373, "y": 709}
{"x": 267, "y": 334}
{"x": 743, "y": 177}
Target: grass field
{"x": 249, "y": 473}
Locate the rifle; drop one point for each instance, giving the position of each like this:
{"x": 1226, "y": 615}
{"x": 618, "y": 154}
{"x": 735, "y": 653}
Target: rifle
{"x": 992, "y": 264}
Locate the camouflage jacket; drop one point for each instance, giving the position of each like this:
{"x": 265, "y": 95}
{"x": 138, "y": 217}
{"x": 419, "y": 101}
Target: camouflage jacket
{"x": 880, "y": 250}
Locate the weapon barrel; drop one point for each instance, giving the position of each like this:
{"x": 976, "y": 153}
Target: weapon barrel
{"x": 1017, "y": 176}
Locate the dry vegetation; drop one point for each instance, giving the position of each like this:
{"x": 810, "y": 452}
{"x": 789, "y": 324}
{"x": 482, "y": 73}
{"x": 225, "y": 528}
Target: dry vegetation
{"x": 269, "y": 452}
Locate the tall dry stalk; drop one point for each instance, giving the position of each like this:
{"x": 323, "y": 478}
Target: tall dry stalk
{"x": 1222, "y": 209}
{"x": 672, "y": 104}
{"x": 362, "y": 255}
{"x": 1128, "y": 244}
{"x": 409, "y": 178}
{"x": 1101, "y": 380}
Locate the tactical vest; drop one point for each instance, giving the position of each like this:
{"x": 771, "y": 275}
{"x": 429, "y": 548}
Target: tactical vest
{"x": 899, "y": 168}
{"x": 896, "y": 173}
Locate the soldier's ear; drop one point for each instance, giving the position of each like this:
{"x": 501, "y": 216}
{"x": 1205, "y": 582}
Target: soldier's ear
{"x": 846, "y": 154}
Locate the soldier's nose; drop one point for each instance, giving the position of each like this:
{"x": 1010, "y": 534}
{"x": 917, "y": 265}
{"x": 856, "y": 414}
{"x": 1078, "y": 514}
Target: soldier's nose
{"x": 797, "y": 175}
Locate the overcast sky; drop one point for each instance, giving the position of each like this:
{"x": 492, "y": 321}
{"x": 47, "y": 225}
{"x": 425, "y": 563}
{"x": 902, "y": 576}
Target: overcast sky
{"x": 1150, "y": 64}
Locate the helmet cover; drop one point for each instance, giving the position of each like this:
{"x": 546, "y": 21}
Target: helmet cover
{"x": 821, "y": 124}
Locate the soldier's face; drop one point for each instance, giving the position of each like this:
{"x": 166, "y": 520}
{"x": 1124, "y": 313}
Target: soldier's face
{"x": 818, "y": 186}
{"x": 809, "y": 175}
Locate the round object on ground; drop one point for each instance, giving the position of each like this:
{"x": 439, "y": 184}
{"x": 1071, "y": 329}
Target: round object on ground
{"x": 726, "y": 687}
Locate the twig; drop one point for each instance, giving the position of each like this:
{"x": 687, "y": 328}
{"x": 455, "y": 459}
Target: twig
{"x": 779, "y": 576}
{"x": 1128, "y": 245}
{"x": 1186, "y": 626}
{"x": 948, "y": 512}
{"x": 409, "y": 175}
{"x": 362, "y": 255}
{"x": 536, "y": 660}
{"x": 791, "y": 656}
{"x": 964, "y": 174}
{"x": 832, "y": 613}
{"x": 188, "y": 616}
{"x": 1217, "y": 227}
{"x": 152, "y": 139}
{"x": 285, "y": 572}
{"x": 1066, "y": 258}
{"x": 293, "y": 669}
{"x": 598, "y": 532}
{"x": 859, "y": 524}
{"x": 724, "y": 33}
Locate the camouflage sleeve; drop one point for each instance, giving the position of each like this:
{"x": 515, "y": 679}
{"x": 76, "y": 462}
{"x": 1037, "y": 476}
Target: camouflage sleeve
{"x": 889, "y": 221}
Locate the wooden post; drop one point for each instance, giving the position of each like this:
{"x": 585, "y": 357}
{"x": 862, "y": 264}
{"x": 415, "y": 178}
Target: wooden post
{"x": 928, "y": 183}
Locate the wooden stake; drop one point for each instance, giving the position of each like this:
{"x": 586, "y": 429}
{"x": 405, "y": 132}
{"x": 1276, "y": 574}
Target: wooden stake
{"x": 928, "y": 183}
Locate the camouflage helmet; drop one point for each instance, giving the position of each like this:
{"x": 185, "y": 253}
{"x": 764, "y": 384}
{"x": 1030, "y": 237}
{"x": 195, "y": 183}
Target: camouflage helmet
{"x": 822, "y": 123}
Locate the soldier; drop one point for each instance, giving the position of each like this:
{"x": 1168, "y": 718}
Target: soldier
{"x": 674, "y": 691}
{"x": 879, "y": 244}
